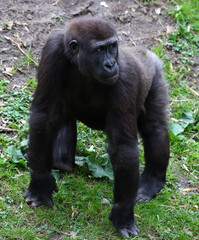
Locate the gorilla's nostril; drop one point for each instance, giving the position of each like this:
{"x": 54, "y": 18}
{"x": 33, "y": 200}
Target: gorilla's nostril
{"x": 109, "y": 64}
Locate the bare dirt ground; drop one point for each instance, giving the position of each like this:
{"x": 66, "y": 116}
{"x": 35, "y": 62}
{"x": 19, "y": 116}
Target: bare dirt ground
{"x": 26, "y": 24}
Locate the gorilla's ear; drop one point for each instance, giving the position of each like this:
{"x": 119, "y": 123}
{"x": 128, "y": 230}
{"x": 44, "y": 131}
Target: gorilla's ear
{"x": 74, "y": 47}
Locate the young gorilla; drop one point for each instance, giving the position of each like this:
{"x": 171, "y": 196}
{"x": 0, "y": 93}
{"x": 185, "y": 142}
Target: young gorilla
{"x": 84, "y": 76}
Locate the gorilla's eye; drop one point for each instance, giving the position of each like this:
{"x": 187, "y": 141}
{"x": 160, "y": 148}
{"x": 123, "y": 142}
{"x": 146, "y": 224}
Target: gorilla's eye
{"x": 112, "y": 48}
{"x": 100, "y": 49}
{"x": 113, "y": 45}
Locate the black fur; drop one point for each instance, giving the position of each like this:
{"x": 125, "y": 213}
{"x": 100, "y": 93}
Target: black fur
{"x": 83, "y": 75}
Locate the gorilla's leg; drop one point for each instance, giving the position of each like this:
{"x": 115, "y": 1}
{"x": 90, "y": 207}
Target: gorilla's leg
{"x": 125, "y": 166}
{"x": 39, "y": 159}
{"x": 64, "y": 146}
{"x": 46, "y": 151}
{"x": 153, "y": 127}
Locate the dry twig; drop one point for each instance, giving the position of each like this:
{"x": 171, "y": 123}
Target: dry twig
{"x": 21, "y": 50}
{"x": 193, "y": 91}
{"x": 5, "y": 129}
{"x": 190, "y": 189}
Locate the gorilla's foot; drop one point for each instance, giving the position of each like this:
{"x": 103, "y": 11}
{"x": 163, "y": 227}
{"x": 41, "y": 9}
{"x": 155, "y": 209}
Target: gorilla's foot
{"x": 149, "y": 186}
{"x": 123, "y": 220}
{"x": 40, "y": 190}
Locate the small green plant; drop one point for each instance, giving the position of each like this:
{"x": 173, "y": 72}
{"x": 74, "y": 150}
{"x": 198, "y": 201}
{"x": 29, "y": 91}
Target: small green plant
{"x": 91, "y": 150}
{"x": 186, "y": 12}
{"x": 178, "y": 127}
{"x": 57, "y": 18}
{"x": 15, "y": 111}
{"x": 15, "y": 107}
{"x": 184, "y": 40}
{"x": 32, "y": 83}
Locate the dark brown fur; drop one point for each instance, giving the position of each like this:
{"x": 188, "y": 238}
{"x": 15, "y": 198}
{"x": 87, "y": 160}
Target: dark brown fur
{"x": 120, "y": 91}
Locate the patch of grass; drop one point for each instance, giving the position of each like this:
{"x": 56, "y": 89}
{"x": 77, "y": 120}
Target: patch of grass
{"x": 185, "y": 39}
{"x": 184, "y": 119}
{"x": 57, "y": 18}
{"x": 183, "y": 171}
{"x": 186, "y": 12}
{"x": 184, "y": 42}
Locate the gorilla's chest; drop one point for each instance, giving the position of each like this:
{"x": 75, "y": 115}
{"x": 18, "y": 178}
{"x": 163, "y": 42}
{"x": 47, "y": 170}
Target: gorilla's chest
{"x": 88, "y": 104}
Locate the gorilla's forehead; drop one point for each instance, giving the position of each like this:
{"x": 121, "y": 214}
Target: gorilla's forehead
{"x": 95, "y": 43}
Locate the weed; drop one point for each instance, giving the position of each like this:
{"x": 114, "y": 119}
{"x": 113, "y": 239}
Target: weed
{"x": 57, "y": 18}
{"x": 183, "y": 39}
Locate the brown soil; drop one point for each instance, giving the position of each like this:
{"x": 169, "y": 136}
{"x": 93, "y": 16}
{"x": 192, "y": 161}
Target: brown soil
{"x": 29, "y": 24}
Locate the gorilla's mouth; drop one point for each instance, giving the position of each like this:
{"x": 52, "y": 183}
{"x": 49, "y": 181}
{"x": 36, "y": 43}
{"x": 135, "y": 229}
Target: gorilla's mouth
{"x": 113, "y": 78}
{"x": 109, "y": 80}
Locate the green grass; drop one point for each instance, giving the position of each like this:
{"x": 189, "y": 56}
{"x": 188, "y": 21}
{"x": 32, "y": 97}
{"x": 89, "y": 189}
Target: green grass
{"x": 185, "y": 38}
{"x": 186, "y": 11}
{"x": 83, "y": 202}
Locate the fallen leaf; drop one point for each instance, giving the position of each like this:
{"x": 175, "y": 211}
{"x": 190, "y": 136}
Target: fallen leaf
{"x": 105, "y": 201}
{"x": 26, "y": 29}
{"x": 23, "y": 121}
{"x": 158, "y": 11}
{"x": 5, "y": 49}
{"x": 104, "y": 4}
{"x": 54, "y": 207}
{"x": 126, "y": 12}
{"x": 74, "y": 212}
{"x": 169, "y": 30}
{"x": 7, "y": 71}
{"x": 8, "y": 25}
{"x": 71, "y": 234}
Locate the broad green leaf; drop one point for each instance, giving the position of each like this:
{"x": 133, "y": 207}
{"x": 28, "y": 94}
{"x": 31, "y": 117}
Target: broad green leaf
{"x": 16, "y": 155}
{"x": 99, "y": 172}
{"x": 176, "y": 128}
{"x": 186, "y": 119}
{"x": 80, "y": 160}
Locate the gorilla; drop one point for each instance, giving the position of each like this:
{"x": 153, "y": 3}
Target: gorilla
{"x": 83, "y": 75}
